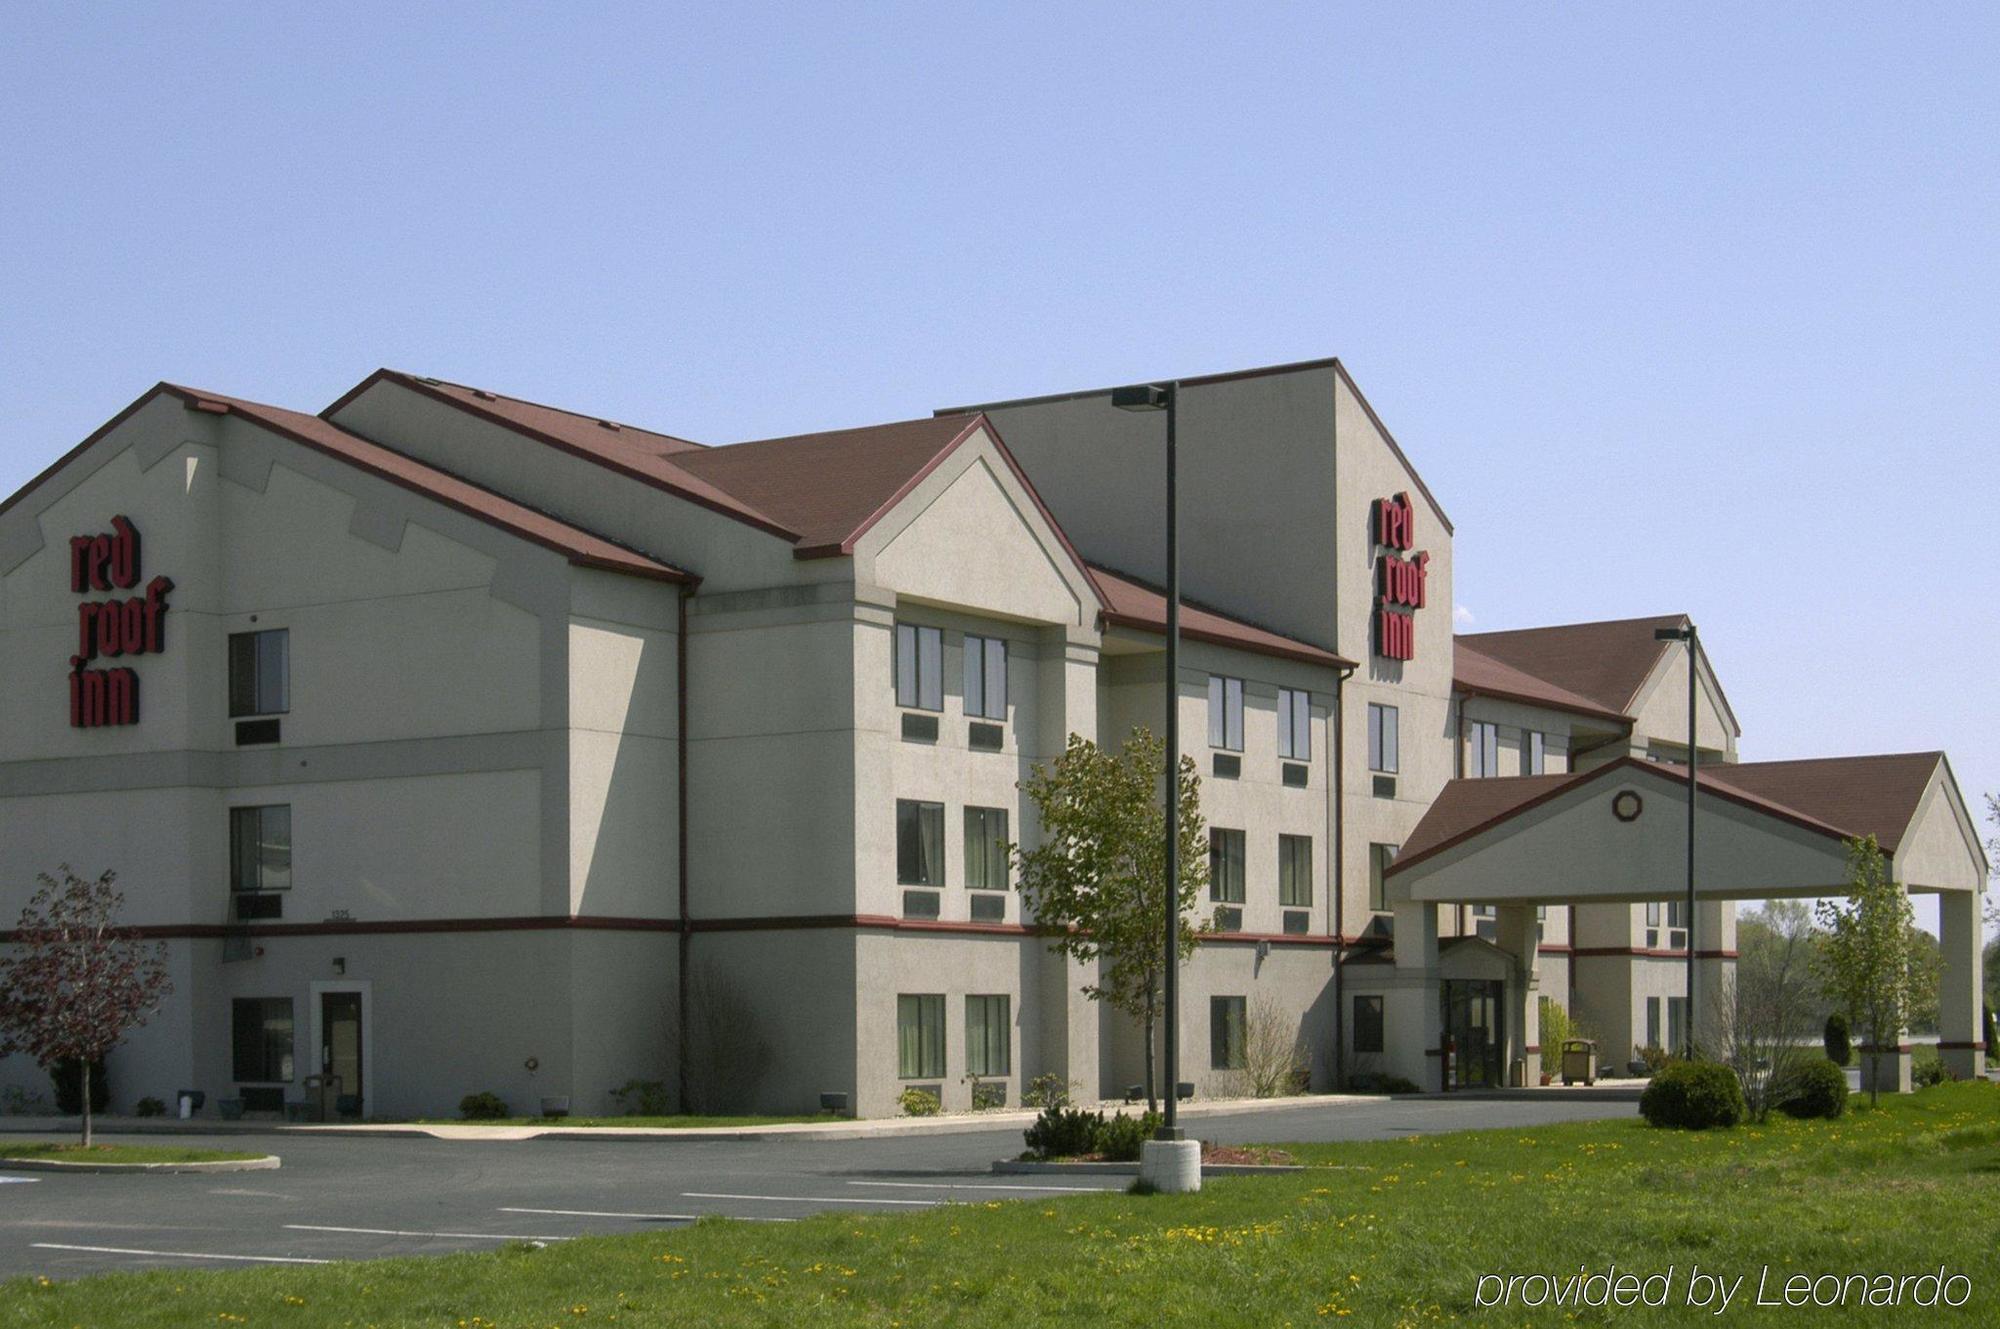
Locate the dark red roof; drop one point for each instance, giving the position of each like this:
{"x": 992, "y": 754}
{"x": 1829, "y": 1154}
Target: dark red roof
{"x": 1475, "y": 672}
{"x": 1131, "y": 603}
{"x": 1603, "y": 663}
{"x": 573, "y": 542}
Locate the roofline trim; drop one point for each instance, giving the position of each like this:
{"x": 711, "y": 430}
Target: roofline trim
{"x": 1501, "y": 694}
{"x": 845, "y": 546}
{"x": 61, "y": 463}
{"x": 1301, "y": 653}
{"x": 1340, "y": 371}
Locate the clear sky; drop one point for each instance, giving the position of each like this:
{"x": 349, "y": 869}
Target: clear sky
{"x": 1676, "y": 307}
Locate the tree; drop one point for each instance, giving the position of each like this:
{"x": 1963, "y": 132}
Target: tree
{"x": 1867, "y": 959}
{"x": 1098, "y": 878}
{"x": 1273, "y": 1063}
{"x": 1766, "y": 1012}
{"x": 75, "y": 983}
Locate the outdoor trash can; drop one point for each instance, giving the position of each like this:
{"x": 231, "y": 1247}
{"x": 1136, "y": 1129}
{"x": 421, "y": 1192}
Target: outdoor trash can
{"x": 1579, "y": 1060}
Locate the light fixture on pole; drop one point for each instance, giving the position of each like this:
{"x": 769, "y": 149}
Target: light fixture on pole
{"x": 1161, "y": 397}
{"x": 1686, "y": 632}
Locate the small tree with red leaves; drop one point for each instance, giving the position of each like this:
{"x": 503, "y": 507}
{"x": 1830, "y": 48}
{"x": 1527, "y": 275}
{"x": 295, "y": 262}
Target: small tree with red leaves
{"x": 74, "y": 983}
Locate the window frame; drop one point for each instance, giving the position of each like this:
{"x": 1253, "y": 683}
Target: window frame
{"x": 257, "y": 814}
{"x": 1219, "y": 837}
{"x": 246, "y": 695}
{"x": 923, "y": 1005}
{"x": 981, "y": 654}
{"x": 237, "y": 1010}
{"x": 979, "y": 863}
{"x": 1294, "y": 724}
{"x": 980, "y": 1045}
{"x": 922, "y": 809}
{"x": 1225, "y": 713}
{"x": 1380, "y": 856}
{"x": 1482, "y": 750}
{"x": 1374, "y": 1019}
{"x": 1534, "y": 752}
{"x": 1385, "y": 748}
{"x": 1295, "y": 878}
{"x": 1226, "y": 1015}
{"x": 919, "y": 661}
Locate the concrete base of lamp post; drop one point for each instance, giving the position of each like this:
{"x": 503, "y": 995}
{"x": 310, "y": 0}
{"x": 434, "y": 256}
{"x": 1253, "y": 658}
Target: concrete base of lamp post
{"x": 1170, "y": 1167}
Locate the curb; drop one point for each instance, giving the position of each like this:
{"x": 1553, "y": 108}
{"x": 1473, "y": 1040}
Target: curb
{"x": 1021, "y": 1167}
{"x": 264, "y": 1164}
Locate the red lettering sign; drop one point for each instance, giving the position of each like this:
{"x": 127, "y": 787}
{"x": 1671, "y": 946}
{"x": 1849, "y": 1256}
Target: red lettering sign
{"x": 1400, "y": 588}
{"x": 135, "y": 626}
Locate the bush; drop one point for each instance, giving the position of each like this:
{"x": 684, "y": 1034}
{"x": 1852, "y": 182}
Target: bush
{"x": 644, "y": 1098}
{"x": 1839, "y": 1044}
{"x": 1123, "y": 1138}
{"x": 1992, "y": 1031}
{"x": 66, "y": 1076}
{"x": 1379, "y": 1082}
{"x": 1556, "y": 1026}
{"x": 1654, "y": 1059}
{"x": 1064, "y": 1132}
{"x": 1817, "y": 1089}
{"x": 920, "y": 1103}
{"x": 482, "y": 1106}
{"x": 149, "y": 1107}
{"x": 1693, "y": 1096}
{"x": 988, "y": 1094}
{"x": 1047, "y": 1091}
{"x": 1927, "y": 1067}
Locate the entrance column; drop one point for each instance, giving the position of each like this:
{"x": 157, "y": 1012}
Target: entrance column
{"x": 1961, "y": 1032}
{"x": 1514, "y": 932}
{"x": 1415, "y": 1034}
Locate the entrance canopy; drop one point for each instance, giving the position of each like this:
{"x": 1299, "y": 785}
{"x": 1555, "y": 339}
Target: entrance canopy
{"x": 1618, "y": 832}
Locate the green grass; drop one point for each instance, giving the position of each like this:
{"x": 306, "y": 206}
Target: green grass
{"x": 118, "y": 1153}
{"x": 669, "y": 1123}
{"x": 1380, "y": 1234}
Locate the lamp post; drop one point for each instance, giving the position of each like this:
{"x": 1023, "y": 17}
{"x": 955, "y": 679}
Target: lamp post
{"x": 1687, "y": 633}
{"x": 1161, "y": 397}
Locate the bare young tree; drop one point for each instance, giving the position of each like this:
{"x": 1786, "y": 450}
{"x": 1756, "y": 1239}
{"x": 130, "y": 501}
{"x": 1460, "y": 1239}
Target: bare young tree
{"x": 1765, "y": 1012}
{"x": 1273, "y": 1061}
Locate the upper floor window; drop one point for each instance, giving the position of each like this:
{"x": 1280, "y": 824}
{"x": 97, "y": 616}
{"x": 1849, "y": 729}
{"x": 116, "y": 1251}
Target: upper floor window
{"x": 1295, "y": 871}
{"x": 1225, "y": 712}
{"x": 919, "y": 667}
{"x": 1225, "y": 866}
{"x": 260, "y": 848}
{"x": 1534, "y": 752}
{"x": 985, "y": 677}
{"x": 1482, "y": 756}
{"x": 919, "y": 843}
{"x": 1295, "y": 740}
{"x": 259, "y": 673}
{"x": 986, "y": 849}
{"x": 1380, "y": 856}
{"x": 1383, "y": 748}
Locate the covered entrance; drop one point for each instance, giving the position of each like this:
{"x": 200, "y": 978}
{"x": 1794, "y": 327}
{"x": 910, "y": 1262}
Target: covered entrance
{"x": 1474, "y": 1038}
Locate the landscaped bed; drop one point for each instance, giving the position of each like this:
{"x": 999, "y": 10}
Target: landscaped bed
{"x": 1384, "y": 1233}
{"x": 118, "y": 1155}
{"x": 634, "y": 1122}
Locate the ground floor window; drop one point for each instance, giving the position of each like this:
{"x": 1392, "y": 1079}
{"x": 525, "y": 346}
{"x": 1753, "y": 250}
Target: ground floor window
{"x": 1367, "y": 1024}
{"x": 262, "y": 1028}
{"x": 919, "y": 1037}
{"x": 1226, "y": 1017}
{"x": 1380, "y": 856}
{"x": 989, "y": 1036}
{"x": 1676, "y": 1023}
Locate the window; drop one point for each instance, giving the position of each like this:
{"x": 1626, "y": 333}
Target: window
{"x": 1653, "y": 1031}
{"x": 1380, "y": 856}
{"x": 260, "y": 848}
{"x": 1225, "y": 1033}
{"x": 1295, "y": 738}
{"x": 919, "y": 843}
{"x": 1677, "y": 1009}
{"x": 986, "y": 849}
{"x": 1367, "y": 1024}
{"x": 1534, "y": 752}
{"x": 259, "y": 673}
{"x": 1482, "y": 757}
{"x": 1483, "y": 911}
{"x": 919, "y": 1037}
{"x": 1225, "y": 866}
{"x": 262, "y": 1039}
{"x": 1383, "y": 754}
{"x": 1225, "y": 712}
{"x": 1295, "y": 871}
{"x": 985, "y": 677}
{"x": 1652, "y": 924}
{"x": 919, "y": 667}
{"x": 1541, "y": 923}
{"x": 989, "y": 1036}
{"x": 1677, "y": 937}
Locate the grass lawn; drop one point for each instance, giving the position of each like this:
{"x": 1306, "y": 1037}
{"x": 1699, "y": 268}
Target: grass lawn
{"x": 119, "y": 1153}
{"x": 1391, "y": 1233}
{"x": 670, "y": 1123}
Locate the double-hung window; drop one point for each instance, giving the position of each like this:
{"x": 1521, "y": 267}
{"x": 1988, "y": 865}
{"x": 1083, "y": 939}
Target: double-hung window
{"x": 1295, "y": 742}
{"x": 1534, "y": 752}
{"x": 1226, "y": 1033}
{"x": 1384, "y": 754}
{"x": 260, "y": 673}
{"x": 989, "y": 1036}
{"x": 1225, "y": 866}
{"x": 1225, "y": 713}
{"x": 1295, "y": 871}
{"x": 1677, "y": 937}
{"x": 1482, "y": 757}
{"x": 919, "y": 843}
{"x": 1380, "y": 856}
{"x": 985, "y": 677}
{"x": 919, "y": 1037}
{"x": 919, "y": 667}
{"x": 986, "y": 849}
{"x": 260, "y": 848}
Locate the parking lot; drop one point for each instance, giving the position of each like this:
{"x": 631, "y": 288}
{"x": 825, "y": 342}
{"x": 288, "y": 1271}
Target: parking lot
{"x": 339, "y": 1198}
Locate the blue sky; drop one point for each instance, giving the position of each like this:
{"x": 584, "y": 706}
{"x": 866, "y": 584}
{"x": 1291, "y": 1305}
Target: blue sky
{"x": 1691, "y": 308}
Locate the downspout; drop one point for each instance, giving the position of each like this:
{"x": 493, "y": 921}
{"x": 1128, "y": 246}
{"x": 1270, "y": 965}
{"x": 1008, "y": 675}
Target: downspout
{"x": 1458, "y": 773}
{"x": 684, "y": 933}
{"x": 1336, "y": 875}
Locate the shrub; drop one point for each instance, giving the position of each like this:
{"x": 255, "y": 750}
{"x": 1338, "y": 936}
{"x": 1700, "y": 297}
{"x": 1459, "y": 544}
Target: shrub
{"x": 1556, "y": 1026}
{"x": 1927, "y": 1067}
{"x": 1992, "y": 1031}
{"x": 988, "y": 1094}
{"x": 482, "y": 1106}
{"x": 1122, "y": 1139}
{"x": 920, "y": 1103}
{"x": 149, "y": 1107}
{"x": 1839, "y": 1045}
{"x": 66, "y": 1076}
{"x": 1817, "y": 1089}
{"x": 643, "y": 1098}
{"x": 1047, "y": 1091}
{"x": 1693, "y": 1096}
{"x": 1654, "y": 1058}
{"x": 1379, "y": 1082}
{"x": 1064, "y": 1132}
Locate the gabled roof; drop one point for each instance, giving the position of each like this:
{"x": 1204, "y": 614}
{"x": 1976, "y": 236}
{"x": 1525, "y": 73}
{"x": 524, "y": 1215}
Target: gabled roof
{"x": 1604, "y": 663}
{"x": 1130, "y": 603}
{"x": 579, "y": 546}
{"x": 1479, "y": 674}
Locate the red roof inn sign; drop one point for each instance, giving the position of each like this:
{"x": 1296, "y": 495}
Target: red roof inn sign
{"x": 112, "y": 628}
{"x": 1399, "y": 581}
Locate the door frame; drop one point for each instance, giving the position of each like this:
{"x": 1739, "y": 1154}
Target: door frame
{"x": 367, "y": 993}
{"x": 1496, "y": 1067}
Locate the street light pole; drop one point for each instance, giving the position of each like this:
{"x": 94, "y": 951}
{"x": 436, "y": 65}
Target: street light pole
{"x": 1689, "y": 635}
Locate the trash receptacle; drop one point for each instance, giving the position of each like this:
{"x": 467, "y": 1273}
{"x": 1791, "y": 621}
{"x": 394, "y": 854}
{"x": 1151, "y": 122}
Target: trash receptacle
{"x": 190, "y": 1102}
{"x": 321, "y": 1090}
{"x": 1579, "y": 1060}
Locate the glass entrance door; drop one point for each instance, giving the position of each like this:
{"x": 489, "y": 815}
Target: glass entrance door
{"x": 340, "y": 1040}
{"x": 1472, "y": 1023}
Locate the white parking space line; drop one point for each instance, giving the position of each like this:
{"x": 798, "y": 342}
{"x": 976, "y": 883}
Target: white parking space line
{"x": 178, "y": 1255}
{"x": 600, "y": 1213}
{"x": 18, "y": 1181}
{"x": 985, "y": 1186}
{"x": 398, "y": 1232}
{"x": 804, "y": 1199}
